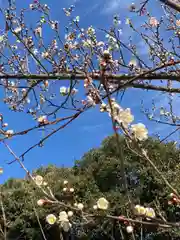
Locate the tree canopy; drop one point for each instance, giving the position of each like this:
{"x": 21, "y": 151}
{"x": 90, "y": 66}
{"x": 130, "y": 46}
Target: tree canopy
{"x": 99, "y": 174}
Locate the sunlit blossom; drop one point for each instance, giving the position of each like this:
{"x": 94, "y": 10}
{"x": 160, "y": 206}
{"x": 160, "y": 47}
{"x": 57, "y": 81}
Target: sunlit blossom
{"x": 139, "y": 210}
{"x": 125, "y": 117}
{"x": 133, "y": 63}
{"x": 70, "y": 213}
{"x": 1, "y": 170}
{"x": 40, "y": 202}
{"x": 91, "y": 31}
{"x": 42, "y": 119}
{"x": 45, "y": 54}
{"x": 38, "y": 180}
{"x": 51, "y": 219}
{"x": 90, "y": 100}
{"x": 63, "y": 91}
{"x": 127, "y": 21}
{"x": 18, "y": 30}
{"x": 103, "y": 107}
{"x": 71, "y": 190}
{"x": 153, "y": 22}
{"x": 80, "y": 206}
{"x": 140, "y": 132}
{"x": 65, "y": 182}
{"x": 100, "y": 44}
{"x": 150, "y": 213}
{"x": 102, "y": 203}
{"x": 95, "y": 207}
{"x": 9, "y": 133}
{"x": 63, "y": 216}
{"x": 129, "y": 229}
{"x": 39, "y": 31}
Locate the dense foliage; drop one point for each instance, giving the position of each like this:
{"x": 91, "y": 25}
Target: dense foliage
{"x": 98, "y": 174}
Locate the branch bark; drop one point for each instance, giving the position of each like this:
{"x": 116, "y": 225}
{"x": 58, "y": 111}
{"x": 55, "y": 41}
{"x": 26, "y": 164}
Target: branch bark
{"x": 172, "y": 4}
{"x": 95, "y": 76}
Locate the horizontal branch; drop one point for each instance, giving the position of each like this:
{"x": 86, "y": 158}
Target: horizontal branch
{"x": 155, "y": 88}
{"x": 96, "y": 76}
{"x": 172, "y": 4}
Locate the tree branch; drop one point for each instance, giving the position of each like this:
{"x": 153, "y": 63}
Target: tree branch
{"x": 96, "y": 76}
{"x": 172, "y": 4}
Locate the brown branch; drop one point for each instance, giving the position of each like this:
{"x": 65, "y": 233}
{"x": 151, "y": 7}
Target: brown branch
{"x": 170, "y": 134}
{"x": 155, "y": 88}
{"x": 95, "y": 76}
{"x": 49, "y": 135}
{"x": 23, "y": 132}
{"x": 172, "y": 4}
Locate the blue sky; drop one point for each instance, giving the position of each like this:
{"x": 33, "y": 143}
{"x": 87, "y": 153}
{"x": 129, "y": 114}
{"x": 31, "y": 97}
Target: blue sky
{"x": 91, "y": 127}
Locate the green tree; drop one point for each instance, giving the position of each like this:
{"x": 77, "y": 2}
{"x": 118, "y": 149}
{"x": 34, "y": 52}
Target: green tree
{"x": 99, "y": 174}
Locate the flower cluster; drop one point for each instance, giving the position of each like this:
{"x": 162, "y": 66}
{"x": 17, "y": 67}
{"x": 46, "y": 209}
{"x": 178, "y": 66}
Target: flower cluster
{"x": 67, "y": 187}
{"x": 63, "y": 219}
{"x": 146, "y": 212}
{"x": 124, "y": 118}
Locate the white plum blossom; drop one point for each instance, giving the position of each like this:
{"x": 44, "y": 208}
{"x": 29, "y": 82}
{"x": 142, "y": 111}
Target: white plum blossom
{"x": 31, "y": 6}
{"x": 100, "y": 44}
{"x": 63, "y": 216}
{"x": 139, "y": 210}
{"x": 106, "y": 53}
{"x": 1, "y": 170}
{"x": 9, "y": 133}
{"x": 90, "y": 100}
{"x": 129, "y": 229}
{"x": 40, "y": 202}
{"x": 150, "y": 213}
{"x": 45, "y": 183}
{"x": 65, "y": 182}
{"x": 133, "y": 63}
{"x": 153, "y": 22}
{"x": 125, "y": 117}
{"x": 18, "y": 30}
{"x": 70, "y": 213}
{"x": 35, "y": 51}
{"x": 38, "y": 180}
{"x": 51, "y": 219}
{"x": 80, "y": 206}
{"x": 63, "y": 91}
{"x": 42, "y": 119}
{"x": 103, "y": 107}
{"x": 140, "y": 132}
{"x": 44, "y": 54}
{"x": 102, "y": 203}
{"x": 71, "y": 189}
{"x": 95, "y": 207}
